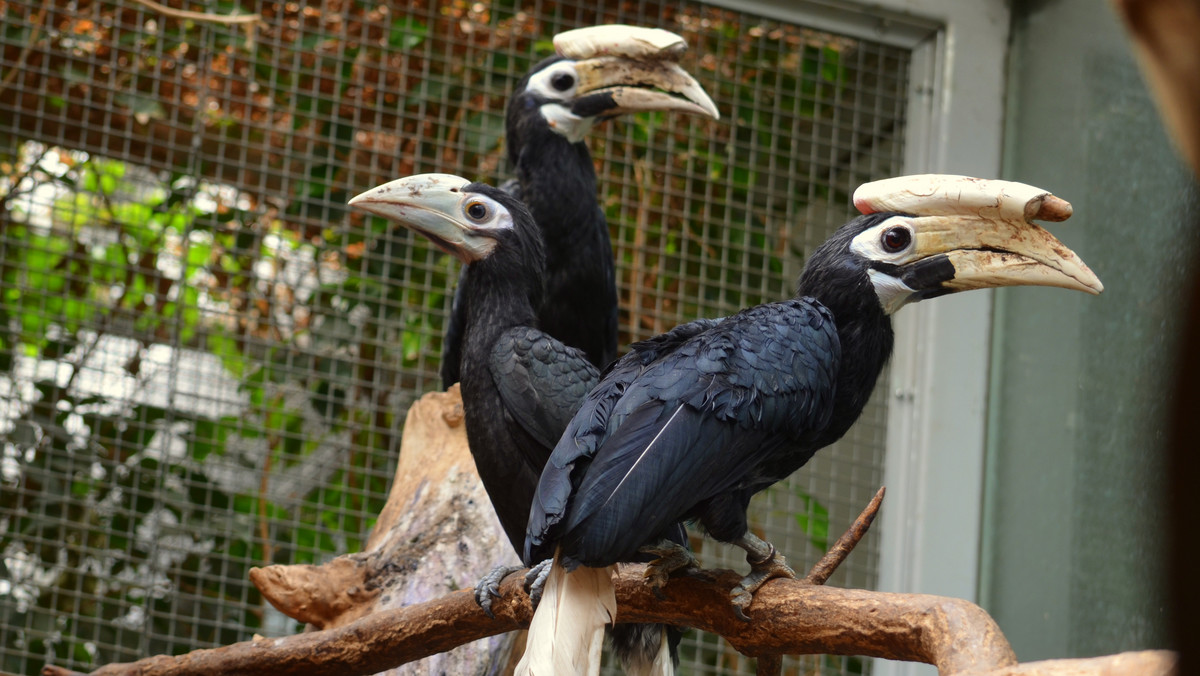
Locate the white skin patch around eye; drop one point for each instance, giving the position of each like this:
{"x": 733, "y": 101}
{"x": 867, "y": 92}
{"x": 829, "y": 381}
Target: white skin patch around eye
{"x": 558, "y": 116}
{"x": 868, "y": 243}
{"x": 542, "y": 82}
{"x": 893, "y": 293}
{"x": 498, "y": 218}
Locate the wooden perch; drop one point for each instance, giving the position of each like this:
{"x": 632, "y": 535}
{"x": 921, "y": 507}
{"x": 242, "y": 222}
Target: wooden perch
{"x": 787, "y": 616}
{"x": 437, "y": 533}
{"x": 426, "y": 528}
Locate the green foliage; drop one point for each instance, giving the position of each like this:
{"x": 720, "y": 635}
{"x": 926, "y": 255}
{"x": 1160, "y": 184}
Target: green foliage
{"x": 115, "y": 273}
{"x": 814, "y": 521}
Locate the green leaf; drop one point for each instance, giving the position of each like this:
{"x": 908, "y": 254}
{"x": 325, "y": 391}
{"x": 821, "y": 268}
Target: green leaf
{"x": 407, "y": 33}
{"x": 814, "y": 521}
{"x": 198, "y": 255}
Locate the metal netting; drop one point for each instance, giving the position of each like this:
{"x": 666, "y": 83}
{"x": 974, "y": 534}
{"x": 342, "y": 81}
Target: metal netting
{"x": 205, "y": 357}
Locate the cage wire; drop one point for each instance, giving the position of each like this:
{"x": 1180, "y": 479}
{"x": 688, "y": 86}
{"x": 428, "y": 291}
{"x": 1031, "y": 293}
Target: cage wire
{"x": 205, "y": 358}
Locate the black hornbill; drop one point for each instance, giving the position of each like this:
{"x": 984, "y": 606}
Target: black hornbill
{"x": 693, "y": 432}
{"x": 599, "y": 73}
{"x": 520, "y": 386}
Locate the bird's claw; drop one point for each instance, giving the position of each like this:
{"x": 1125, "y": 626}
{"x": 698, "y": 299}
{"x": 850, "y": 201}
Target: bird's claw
{"x": 741, "y": 598}
{"x": 672, "y": 557}
{"x": 535, "y": 581}
{"x": 770, "y": 568}
{"x": 488, "y": 587}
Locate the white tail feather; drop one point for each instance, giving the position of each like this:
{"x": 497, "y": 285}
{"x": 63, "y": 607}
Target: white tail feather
{"x": 567, "y": 630}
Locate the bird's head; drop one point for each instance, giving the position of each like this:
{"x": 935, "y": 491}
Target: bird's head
{"x": 928, "y": 236}
{"x": 470, "y": 221}
{"x": 605, "y": 71}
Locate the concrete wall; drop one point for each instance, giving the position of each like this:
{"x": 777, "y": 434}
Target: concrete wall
{"x": 1073, "y": 550}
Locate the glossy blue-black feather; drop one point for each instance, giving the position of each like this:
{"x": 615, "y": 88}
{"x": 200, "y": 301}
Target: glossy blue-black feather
{"x": 718, "y": 410}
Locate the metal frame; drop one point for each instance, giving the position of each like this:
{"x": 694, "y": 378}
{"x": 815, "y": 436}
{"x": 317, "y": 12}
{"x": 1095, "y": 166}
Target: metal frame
{"x": 934, "y": 468}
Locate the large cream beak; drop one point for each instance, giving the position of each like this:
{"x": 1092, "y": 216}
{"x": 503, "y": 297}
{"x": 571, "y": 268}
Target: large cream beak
{"x": 983, "y": 228}
{"x": 635, "y": 67}
{"x": 431, "y": 205}
{"x": 636, "y": 86}
{"x": 990, "y": 253}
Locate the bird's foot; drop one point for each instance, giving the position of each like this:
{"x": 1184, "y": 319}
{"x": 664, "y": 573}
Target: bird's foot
{"x": 488, "y": 587}
{"x": 535, "y": 581}
{"x": 671, "y": 558}
{"x": 761, "y": 570}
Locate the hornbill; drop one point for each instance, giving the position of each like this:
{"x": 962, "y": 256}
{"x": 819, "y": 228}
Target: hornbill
{"x": 695, "y": 431}
{"x": 520, "y": 386}
{"x": 598, "y": 73}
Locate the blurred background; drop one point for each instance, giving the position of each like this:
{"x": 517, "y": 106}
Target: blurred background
{"x": 205, "y": 358}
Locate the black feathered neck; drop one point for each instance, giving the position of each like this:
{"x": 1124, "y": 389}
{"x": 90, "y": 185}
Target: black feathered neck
{"x": 557, "y": 178}
{"x": 837, "y": 278}
{"x": 506, "y": 287}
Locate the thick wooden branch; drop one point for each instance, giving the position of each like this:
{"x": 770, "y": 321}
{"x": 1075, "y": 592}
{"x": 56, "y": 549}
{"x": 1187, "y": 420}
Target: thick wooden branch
{"x": 788, "y": 616}
{"x": 437, "y": 533}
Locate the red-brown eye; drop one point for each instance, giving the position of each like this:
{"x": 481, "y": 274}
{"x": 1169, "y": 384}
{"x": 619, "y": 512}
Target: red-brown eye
{"x": 896, "y": 239}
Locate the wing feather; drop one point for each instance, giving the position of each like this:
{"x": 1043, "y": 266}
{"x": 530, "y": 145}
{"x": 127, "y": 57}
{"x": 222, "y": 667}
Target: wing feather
{"x": 719, "y": 411}
{"x": 541, "y": 381}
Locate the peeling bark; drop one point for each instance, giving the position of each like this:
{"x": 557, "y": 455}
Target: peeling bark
{"x": 436, "y": 534}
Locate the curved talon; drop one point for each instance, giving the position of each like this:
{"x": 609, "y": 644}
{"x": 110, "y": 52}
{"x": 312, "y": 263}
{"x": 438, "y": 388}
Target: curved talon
{"x": 488, "y": 587}
{"x": 672, "y": 557}
{"x": 766, "y": 563}
{"x": 741, "y": 598}
{"x": 535, "y": 580}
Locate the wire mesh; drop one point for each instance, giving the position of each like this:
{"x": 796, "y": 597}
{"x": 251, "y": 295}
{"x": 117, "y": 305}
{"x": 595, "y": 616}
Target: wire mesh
{"x": 205, "y": 359}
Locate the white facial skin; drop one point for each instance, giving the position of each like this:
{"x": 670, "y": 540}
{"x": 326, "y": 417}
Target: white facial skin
{"x": 484, "y": 213}
{"x": 558, "y": 83}
{"x": 892, "y": 241}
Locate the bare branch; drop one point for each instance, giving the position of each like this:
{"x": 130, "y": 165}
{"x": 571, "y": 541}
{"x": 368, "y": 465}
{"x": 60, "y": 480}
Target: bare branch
{"x": 822, "y": 569}
{"x": 205, "y": 17}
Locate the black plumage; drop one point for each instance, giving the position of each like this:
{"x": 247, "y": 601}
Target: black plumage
{"x": 556, "y": 180}
{"x": 694, "y": 432}
{"x": 520, "y": 387}
{"x": 612, "y": 71}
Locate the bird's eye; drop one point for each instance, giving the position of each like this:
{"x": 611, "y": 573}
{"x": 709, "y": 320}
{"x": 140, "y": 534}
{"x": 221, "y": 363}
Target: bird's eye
{"x": 477, "y": 211}
{"x": 562, "y": 81}
{"x": 896, "y": 239}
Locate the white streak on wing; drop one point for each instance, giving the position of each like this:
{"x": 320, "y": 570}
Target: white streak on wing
{"x": 643, "y": 455}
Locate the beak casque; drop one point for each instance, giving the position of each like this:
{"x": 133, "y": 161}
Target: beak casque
{"x": 983, "y": 228}
{"x": 637, "y": 67}
{"x": 428, "y": 204}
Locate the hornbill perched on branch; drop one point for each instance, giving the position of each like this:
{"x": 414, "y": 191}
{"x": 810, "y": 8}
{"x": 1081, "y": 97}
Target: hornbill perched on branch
{"x": 695, "y": 430}
{"x": 520, "y": 386}
{"x": 599, "y": 73}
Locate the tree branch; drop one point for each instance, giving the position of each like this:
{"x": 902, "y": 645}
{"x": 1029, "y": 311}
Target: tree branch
{"x": 787, "y": 617}
{"x": 205, "y": 17}
{"x": 833, "y": 558}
